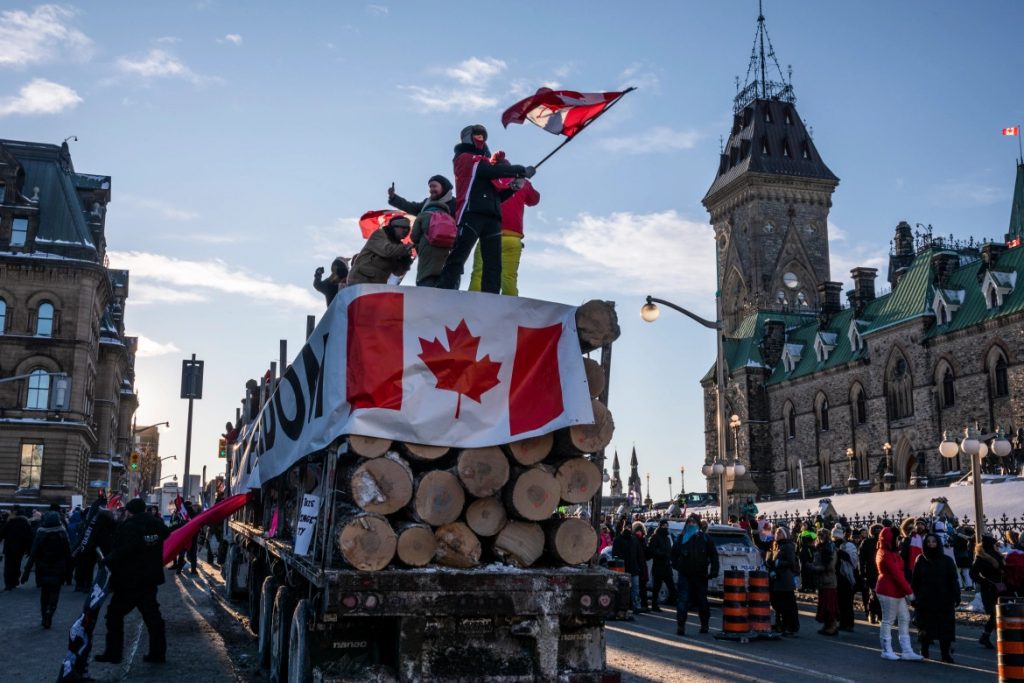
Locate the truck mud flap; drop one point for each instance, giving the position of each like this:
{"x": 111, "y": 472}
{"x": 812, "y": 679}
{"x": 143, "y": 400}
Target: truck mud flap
{"x": 472, "y": 648}
{"x": 351, "y": 650}
{"x": 580, "y": 646}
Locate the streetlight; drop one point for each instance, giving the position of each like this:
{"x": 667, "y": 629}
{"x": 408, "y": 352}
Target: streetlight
{"x": 670, "y": 488}
{"x": 851, "y": 482}
{"x": 682, "y": 480}
{"x": 650, "y": 312}
{"x": 888, "y": 478}
{"x": 973, "y": 446}
{"x": 648, "y": 503}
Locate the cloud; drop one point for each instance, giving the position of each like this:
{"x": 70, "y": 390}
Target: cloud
{"x": 835, "y": 233}
{"x": 41, "y": 36}
{"x": 207, "y": 278}
{"x": 232, "y": 38}
{"x": 469, "y": 93}
{"x": 846, "y": 256}
{"x": 159, "y": 63}
{"x": 163, "y": 209}
{"x": 966, "y": 193}
{"x": 635, "y": 75}
{"x": 40, "y": 96}
{"x": 149, "y": 348}
{"x": 658, "y": 139}
{"x": 168, "y": 40}
{"x": 341, "y": 238}
{"x": 143, "y": 294}
{"x": 637, "y": 253}
{"x": 378, "y": 10}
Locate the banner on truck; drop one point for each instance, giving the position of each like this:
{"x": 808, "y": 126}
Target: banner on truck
{"x": 423, "y": 365}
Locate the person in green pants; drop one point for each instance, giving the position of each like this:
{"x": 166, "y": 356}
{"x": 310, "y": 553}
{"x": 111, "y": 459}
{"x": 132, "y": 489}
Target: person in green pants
{"x": 512, "y": 210}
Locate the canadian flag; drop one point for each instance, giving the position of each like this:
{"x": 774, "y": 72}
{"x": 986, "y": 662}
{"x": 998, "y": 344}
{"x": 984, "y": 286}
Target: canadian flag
{"x": 423, "y": 365}
{"x": 1015, "y": 130}
{"x": 562, "y": 112}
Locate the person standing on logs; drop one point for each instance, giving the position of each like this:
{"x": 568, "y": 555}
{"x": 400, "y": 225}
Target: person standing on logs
{"x": 478, "y": 208}
{"x": 430, "y": 258}
{"x": 695, "y": 557}
{"x": 329, "y": 287}
{"x": 659, "y": 549}
{"x": 383, "y": 255}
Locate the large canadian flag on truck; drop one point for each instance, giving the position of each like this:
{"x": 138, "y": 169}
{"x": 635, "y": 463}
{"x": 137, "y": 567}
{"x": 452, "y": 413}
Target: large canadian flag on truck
{"x": 426, "y": 366}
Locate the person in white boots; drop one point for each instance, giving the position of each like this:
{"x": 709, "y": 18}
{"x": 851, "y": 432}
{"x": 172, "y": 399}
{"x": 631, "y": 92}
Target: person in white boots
{"x": 895, "y": 593}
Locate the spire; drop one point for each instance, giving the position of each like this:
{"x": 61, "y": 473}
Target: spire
{"x": 1016, "y": 231}
{"x": 615, "y": 462}
{"x": 757, "y": 85}
{"x": 632, "y": 460}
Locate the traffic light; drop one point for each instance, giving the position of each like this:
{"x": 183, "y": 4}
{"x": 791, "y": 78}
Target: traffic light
{"x": 133, "y": 460}
{"x": 222, "y": 448}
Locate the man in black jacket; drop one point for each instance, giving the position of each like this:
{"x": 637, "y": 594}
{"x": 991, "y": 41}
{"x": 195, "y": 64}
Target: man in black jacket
{"x": 659, "y": 549}
{"x": 136, "y": 569}
{"x": 627, "y": 547}
{"x": 17, "y": 537}
{"x": 695, "y": 557}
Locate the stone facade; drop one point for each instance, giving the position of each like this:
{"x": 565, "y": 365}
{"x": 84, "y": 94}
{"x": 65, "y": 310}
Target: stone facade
{"x": 62, "y": 317}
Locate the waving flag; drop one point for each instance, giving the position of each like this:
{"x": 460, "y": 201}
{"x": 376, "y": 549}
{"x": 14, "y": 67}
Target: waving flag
{"x": 371, "y": 221}
{"x": 1015, "y": 130}
{"x": 182, "y": 537}
{"x": 562, "y": 112}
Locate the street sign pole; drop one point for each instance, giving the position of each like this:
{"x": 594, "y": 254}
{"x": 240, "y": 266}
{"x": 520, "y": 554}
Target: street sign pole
{"x": 188, "y": 444}
{"x": 191, "y": 388}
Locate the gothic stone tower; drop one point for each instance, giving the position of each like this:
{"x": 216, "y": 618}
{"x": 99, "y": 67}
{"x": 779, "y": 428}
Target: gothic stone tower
{"x": 769, "y": 201}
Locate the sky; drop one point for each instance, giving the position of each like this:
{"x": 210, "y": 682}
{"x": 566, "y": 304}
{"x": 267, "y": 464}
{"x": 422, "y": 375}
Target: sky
{"x": 244, "y": 138}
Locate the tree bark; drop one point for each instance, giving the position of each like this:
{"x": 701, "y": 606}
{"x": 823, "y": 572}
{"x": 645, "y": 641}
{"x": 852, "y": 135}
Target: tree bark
{"x": 368, "y": 446}
{"x": 381, "y": 485}
{"x": 416, "y": 544}
{"x": 519, "y": 543}
{"x": 483, "y": 471}
{"x": 439, "y": 498}
{"x": 596, "y": 437}
{"x": 596, "y": 324}
{"x": 532, "y": 450}
{"x": 595, "y": 376}
{"x": 367, "y": 541}
{"x": 423, "y": 453}
{"x": 486, "y": 516}
{"x": 571, "y": 541}
{"x": 578, "y": 478}
{"x": 457, "y": 546}
{"x": 533, "y": 493}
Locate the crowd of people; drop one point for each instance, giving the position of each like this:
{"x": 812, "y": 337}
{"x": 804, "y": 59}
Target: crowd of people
{"x": 897, "y": 576}
{"x": 479, "y": 216}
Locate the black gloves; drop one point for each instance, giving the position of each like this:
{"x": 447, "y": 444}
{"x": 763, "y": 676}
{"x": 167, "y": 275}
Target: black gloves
{"x": 530, "y": 171}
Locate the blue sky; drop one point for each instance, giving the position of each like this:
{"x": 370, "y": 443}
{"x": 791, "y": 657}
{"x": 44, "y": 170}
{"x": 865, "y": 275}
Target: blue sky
{"x": 244, "y": 138}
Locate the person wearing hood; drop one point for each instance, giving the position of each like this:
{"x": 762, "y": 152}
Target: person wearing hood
{"x": 695, "y": 559}
{"x": 962, "y": 543}
{"x": 429, "y": 258}
{"x": 627, "y": 547}
{"x": 17, "y": 537}
{"x": 478, "y": 208}
{"x": 869, "y": 574}
{"x": 824, "y": 565}
{"x": 337, "y": 280}
{"x": 659, "y": 549}
{"x": 847, "y": 576}
{"x": 938, "y": 594}
{"x": 989, "y": 575}
{"x": 51, "y": 556}
{"x": 913, "y": 531}
{"x": 383, "y": 255}
{"x": 783, "y": 570}
{"x": 97, "y": 533}
{"x": 893, "y": 591}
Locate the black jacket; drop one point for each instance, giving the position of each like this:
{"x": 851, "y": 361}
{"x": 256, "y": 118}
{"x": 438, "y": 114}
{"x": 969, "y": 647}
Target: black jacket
{"x": 697, "y": 558}
{"x": 16, "y": 535}
{"x": 51, "y": 553}
{"x": 415, "y": 208}
{"x": 868, "y": 566}
{"x": 137, "y": 559}
{"x": 483, "y": 197}
{"x": 628, "y": 548}
{"x": 937, "y": 592}
{"x": 659, "y": 549}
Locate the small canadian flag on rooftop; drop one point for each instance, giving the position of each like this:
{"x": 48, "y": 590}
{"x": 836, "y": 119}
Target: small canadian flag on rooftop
{"x": 1015, "y": 130}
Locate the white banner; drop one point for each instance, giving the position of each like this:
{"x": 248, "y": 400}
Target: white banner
{"x": 422, "y": 365}
{"x": 307, "y": 523}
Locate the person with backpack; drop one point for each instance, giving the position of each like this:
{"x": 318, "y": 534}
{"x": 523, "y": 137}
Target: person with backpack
{"x": 478, "y": 208}
{"x": 989, "y": 575}
{"x": 433, "y": 231}
{"x": 51, "y": 556}
{"x": 512, "y": 210}
{"x": 383, "y": 255}
{"x": 847, "y": 576}
{"x": 695, "y": 558}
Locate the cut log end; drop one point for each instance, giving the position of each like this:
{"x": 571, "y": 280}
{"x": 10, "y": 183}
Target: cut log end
{"x": 572, "y": 540}
{"x": 369, "y": 446}
{"x": 532, "y": 450}
{"x": 594, "y": 437}
{"x": 519, "y": 543}
{"x": 367, "y": 541}
{"x": 534, "y": 494}
{"x": 578, "y": 479}
{"x": 439, "y": 498}
{"x": 595, "y": 376}
{"x": 416, "y": 545}
{"x": 382, "y": 485}
{"x": 597, "y": 324}
{"x": 483, "y": 471}
{"x": 457, "y": 546}
{"x": 424, "y": 453}
{"x": 486, "y": 516}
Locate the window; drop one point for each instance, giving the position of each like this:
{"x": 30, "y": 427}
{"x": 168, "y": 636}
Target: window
{"x": 993, "y": 298}
{"x": 948, "y": 396}
{"x": 790, "y": 422}
{"x": 31, "y": 465}
{"x": 3, "y": 316}
{"x": 38, "y": 390}
{"x": 19, "y": 232}
{"x": 1000, "y": 383}
{"x": 3, "y": 191}
{"x": 823, "y": 415}
{"x": 862, "y": 407}
{"x": 825, "y": 472}
{"x": 44, "y": 320}
{"x": 899, "y": 390}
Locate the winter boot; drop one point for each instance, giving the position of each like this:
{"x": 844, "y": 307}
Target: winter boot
{"x": 947, "y": 656}
{"x": 986, "y": 640}
{"x": 907, "y": 653}
{"x": 887, "y": 652}
{"x": 925, "y": 644}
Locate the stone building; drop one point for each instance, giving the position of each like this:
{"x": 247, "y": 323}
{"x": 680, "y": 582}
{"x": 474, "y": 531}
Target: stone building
{"x": 831, "y": 395}
{"x": 66, "y": 420}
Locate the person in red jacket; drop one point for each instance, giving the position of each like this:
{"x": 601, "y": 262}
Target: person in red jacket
{"x": 512, "y": 210}
{"x": 894, "y": 592}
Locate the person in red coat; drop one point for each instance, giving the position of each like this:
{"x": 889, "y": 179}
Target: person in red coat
{"x": 893, "y": 592}
{"x": 512, "y": 210}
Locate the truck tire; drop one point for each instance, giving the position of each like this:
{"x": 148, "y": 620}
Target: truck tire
{"x": 255, "y": 593}
{"x": 227, "y": 568}
{"x": 266, "y": 615}
{"x": 300, "y": 669}
{"x": 280, "y": 627}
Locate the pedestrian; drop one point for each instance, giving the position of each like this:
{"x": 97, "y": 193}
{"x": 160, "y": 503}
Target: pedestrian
{"x": 824, "y": 565}
{"x": 937, "y": 591}
{"x": 383, "y": 255}
{"x": 512, "y": 210}
{"x": 627, "y": 548}
{"x": 894, "y": 592}
{"x": 335, "y": 281}
{"x": 136, "y": 570}
{"x": 963, "y": 554}
{"x": 478, "y": 208}
{"x": 180, "y": 519}
{"x": 847, "y": 576}
{"x": 869, "y": 574}
{"x": 17, "y": 537}
{"x": 913, "y": 531}
{"x": 606, "y": 538}
{"x": 659, "y": 549}
{"x": 640, "y": 531}
{"x": 97, "y": 534}
{"x": 695, "y": 559}
{"x": 51, "y": 556}
{"x": 764, "y": 538}
{"x": 988, "y": 574}
{"x": 438, "y": 206}
{"x": 783, "y": 572}
{"x": 806, "y": 541}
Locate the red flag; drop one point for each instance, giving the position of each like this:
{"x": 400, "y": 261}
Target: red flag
{"x": 179, "y": 507}
{"x": 1015, "y": 130}
{"x": 181, "y": 537}
{"x": 562, "y": 112}
{"x": 371, "y": 221}
{"x": 115, "y": 502}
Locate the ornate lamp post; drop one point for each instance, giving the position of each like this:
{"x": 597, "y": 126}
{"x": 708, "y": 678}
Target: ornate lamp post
{"x": 682, "y": 480}
{"x": 888, "y": 479}
{"x": 648, "y": 503}
{"x": 976, "y": 449}
{"x": 851, "y": 482}
{"x": 670, "y": 488}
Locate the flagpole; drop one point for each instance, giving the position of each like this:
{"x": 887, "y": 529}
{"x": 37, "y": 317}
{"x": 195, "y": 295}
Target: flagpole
{"x": 1020, "y": 149}
{"x": 584, "y": 127}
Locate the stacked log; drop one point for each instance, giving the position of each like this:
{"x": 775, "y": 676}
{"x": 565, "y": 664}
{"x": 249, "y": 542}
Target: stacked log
{"x": 412, "y": 504}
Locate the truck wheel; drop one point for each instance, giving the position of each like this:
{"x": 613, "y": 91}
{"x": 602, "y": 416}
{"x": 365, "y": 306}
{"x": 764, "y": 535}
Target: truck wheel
{"x": 235, "y": 573}
{"x": 299, "y": 668}
{"x": 227, "y": 569}
{"x": 255, "y": 593}
{"x": 266, "y": 615}
{"x": 284, "y": 606}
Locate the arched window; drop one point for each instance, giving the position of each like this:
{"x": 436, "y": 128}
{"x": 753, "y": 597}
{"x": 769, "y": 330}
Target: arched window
{"x": 948, "y": 395}
{"x": 1000, "y": 381}
{"x": 824, "y": 471}
{"x": 38, "y": 390}
{"x": 3, "y": 316}
{"x": 861, "y": 407}
{"x": 44, "y": 320}
{"x": 899, "y": 389}
{"x": 823, "y": 414}
{"x": 790, "y": 416}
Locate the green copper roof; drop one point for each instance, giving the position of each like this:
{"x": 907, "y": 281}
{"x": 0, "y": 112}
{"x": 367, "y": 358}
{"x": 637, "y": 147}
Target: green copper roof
{"x": 1016, "y": 230}
{"x": 974, "y": 310}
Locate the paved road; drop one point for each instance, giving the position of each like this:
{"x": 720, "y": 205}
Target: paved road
{"x": 648, "y": 650}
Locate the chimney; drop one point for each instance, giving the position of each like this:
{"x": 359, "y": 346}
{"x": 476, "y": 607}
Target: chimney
{"x": 991, "y": 252}
{"x": 864, "y": 284}
{"x": 773, "y": 341}
{"x": 828, "y": 298}
{"x": 943, "y": 265}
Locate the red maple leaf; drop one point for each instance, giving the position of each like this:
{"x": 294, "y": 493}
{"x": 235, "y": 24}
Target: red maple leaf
{"x": 457, "y": 368}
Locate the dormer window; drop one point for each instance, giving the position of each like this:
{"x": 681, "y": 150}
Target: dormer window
{"x": 824, "y": 343}
{"x": 785, "y": 149}
{"x": 806, "y": 152}
{"x": 791, "y": 356}
{"x": 19, "y": 232}
{"x": 789, "y": 118}
{"x": 945, "y": 303}
{"x": 765, "y": 150}
{"x": 767, "y": 115}
{"x": 995, "y": 287}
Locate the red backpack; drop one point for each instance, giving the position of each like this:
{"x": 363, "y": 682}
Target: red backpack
{"x": 441, "y": 230}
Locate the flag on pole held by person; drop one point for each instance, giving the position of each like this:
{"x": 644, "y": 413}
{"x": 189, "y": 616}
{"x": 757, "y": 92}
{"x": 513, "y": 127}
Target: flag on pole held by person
{"x": 76, "y": 661}
{"x": 179, "y": 507}
{"x": 371, "y": 221}
{"x": 1013, "y": 130}
{"x": 562, "y": 112}
{"x": 182, "y": 537}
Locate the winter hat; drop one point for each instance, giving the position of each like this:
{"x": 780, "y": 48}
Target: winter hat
{"x": 136, "y": 506}
{"x": 51, "y": 519}
{"x": 838, "y": 534}
{"x": 467, "y": 133}
{"x": 638, "y": 526}
{"x": 399, "y": 222}
{"x": 340, "y": 266}
{"x": 446, "y": 185}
